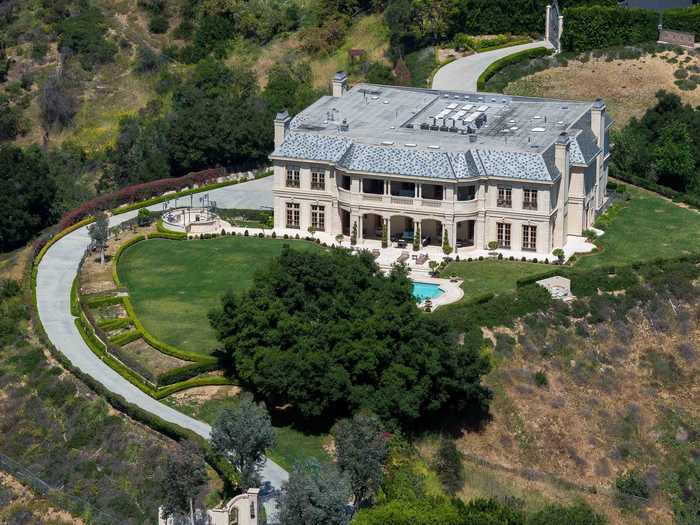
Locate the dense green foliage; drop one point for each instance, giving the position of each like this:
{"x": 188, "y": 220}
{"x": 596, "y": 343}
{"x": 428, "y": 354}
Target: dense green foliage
{"x": 330, "y": 334}
{"x": 662, "y": 147}
{"x": 415, "y": 24}
{"x": 515, "y": 58}
{"x": 83, "y": 32}
{"x": 596, "y": 27}
{"x": 26, "y": 195}
{"x": 406, "y": 500}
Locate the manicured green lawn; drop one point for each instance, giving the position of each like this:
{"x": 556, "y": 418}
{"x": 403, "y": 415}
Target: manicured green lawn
{"x": 491, "y": 276}
{"x": 646, "y": 227}
{"x": 174, "y": 284}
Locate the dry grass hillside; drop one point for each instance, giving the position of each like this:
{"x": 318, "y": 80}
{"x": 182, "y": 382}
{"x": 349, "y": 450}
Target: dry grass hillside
{"x": 584, "y": 403}
{"x": 627, "y": 86}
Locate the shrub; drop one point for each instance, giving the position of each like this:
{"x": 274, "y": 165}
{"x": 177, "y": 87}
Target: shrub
{"x": 144, "y": 217}
{"x": 680, "y": 73}
{"x": 632, "y": 489}
{"x": 541, "y": 379}
{"x": 521, "y": 56}
{"x": 158, "y": 24}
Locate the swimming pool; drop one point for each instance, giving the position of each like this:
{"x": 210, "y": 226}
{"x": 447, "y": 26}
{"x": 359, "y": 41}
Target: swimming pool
{"x": 425, "y": 291}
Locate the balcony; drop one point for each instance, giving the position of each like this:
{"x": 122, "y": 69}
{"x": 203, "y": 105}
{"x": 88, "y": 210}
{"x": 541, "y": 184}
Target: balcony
{"x": 428, "y": 203}
{"x": 369, "y": 197}
{"x": 402, "y": 201}
{"x": 504, "y": 203}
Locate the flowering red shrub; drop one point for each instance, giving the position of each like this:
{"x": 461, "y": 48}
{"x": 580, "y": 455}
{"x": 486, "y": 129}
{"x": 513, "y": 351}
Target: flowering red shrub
{"x": 138, "y": 192}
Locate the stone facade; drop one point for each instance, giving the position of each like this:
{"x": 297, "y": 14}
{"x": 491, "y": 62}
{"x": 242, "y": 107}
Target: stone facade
{"x": 363, "y": 173}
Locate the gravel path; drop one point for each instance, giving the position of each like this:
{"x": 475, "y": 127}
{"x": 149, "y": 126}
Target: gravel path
{"x": 463, "y": 73}
{"x": 54, "y": 280}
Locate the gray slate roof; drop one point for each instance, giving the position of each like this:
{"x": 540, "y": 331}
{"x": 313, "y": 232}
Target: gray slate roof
{"x": 416, "y": 163}
{"x": 396, "y": 161}
{"x": 310, "y": 146}
{"x": 584, "y": 148}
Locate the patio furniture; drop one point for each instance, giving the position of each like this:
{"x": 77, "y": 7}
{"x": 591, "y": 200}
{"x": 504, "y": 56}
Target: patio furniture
{"x": 403, "y": 257}
{"x": 401, "y": 243}
{"x": 421, "y": 259}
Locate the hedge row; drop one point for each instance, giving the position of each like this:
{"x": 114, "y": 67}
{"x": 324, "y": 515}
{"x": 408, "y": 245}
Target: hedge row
{"x": 114, "y": 324}
{"x": 162, "y": 229}
{"x": 118, "y": 254}
{"x": 184, "y": 373}
{"x": 520, "y": 56}
{"x": 597, "y": 27}
{"x": 160, "y": 345}
{"x": 108, "y": 300}
{"x": 74, "y": 301}
{"x": 125, "y": 338}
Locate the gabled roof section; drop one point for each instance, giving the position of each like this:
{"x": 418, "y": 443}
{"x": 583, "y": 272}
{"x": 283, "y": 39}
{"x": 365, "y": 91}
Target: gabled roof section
{"x": 397, "y": 161}
{"x": 311, "y": 146}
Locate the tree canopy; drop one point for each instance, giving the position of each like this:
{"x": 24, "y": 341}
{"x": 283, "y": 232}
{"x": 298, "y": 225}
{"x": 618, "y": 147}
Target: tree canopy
{"x": 242, "y": 434}
{"x": 330, "y": 334}
{"x": 316, "y": 494}
{"x": 662, "y": 147}
{"x": 26, "y": 195}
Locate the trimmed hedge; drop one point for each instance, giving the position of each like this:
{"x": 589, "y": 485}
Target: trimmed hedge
{"x": 125, "y": 338}
{"x": 597, "y": 27}
{"x": 118, "y": 254}
{"x": 114, "y": 324}
{"x": 184, "y": 373}
{"x": 162, "y": 229}
{"x": 160, "y": 345}
{"x": 520, "y": 56}
{"x": 74, "y": 300}
{"x": 109, "y": 300}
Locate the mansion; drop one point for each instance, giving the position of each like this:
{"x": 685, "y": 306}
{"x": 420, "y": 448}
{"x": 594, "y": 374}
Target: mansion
{"x": 376, "y": 161}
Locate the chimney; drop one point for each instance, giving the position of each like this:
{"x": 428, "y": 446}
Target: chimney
{"x": 281, "y": 127}
{"x": 340, "y": 84}
{"x": 598, "y": 120}
{"x": 561, "y": 154}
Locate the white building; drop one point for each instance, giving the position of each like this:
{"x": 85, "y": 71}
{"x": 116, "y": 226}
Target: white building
{"x": 527, "y": 173}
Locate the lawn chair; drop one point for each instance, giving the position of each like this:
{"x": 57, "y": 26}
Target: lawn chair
{"x": 403, "y": 257}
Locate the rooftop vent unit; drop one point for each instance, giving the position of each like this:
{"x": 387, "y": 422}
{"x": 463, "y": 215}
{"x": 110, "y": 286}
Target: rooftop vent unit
{"x": 539, "y": 130}
{"x": 433, "y": 146}
{"x": 452, "y": 106}
{"x": 387, "y": 143}
{"x": 344, "y": 126}
{"x": 410, "y": 145}
{"x": 482, "y": 108}
{"x": 370, "y": 91}
{"x": 472, "y": 138}
{"x": 409, "y": 125}
{"x": 425, "y": 125}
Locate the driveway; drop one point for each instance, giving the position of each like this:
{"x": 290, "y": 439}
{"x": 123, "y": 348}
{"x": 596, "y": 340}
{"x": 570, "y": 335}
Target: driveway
{"x": 54, "y": 280}
{"x": 463, "y": 73}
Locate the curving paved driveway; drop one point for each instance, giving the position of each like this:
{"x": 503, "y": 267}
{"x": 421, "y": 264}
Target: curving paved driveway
{"x": 463, "y": 73}
{"x": 54, "y": 280}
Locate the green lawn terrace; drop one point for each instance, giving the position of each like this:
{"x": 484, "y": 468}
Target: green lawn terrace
{"x": 173, "y": 285}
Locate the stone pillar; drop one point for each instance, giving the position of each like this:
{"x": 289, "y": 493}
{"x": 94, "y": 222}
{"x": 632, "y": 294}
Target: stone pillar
{"x": 598, "y": 128}
{"x": 546, "y": 22}
{"x": 340, "y": 84}
{"x": 282, "y": 121}
{"x": 561, "y": 32}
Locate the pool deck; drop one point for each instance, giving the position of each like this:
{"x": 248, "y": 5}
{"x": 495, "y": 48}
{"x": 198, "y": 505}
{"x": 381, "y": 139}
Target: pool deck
{"x": 452, "y": 289}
